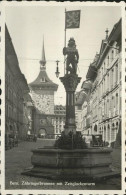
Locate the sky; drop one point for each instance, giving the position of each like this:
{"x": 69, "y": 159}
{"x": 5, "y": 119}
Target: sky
{"x": 28, "y": 25}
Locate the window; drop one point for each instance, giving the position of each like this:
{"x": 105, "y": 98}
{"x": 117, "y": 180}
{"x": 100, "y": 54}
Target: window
{"x": 104, "y": 67}
{"x": 117, "y": 102}
{"x": 112, "y": 55}
{"x": 117, "y": 99}
{"x": 101, "y": 89}
{"x": 104, "y": 86}
{"x": 100, "y": 130}
{"x": 113, "y": 103}
{"x": 104, "y": 133}
{"x": 108, "y": 107}
{"x": 116, "y": 73}
{"x": 117, "y": 127}
{"x": 102, "y": 72}
{"x": 108, "y": 61}
{"x": 41, "y": 121}
{"x": 113, "y": 133}
{"x": 99, "y": 74}
{"x": 104, "y": 109}
{"x": 42, "y": 79}
{"x": 117, "y": 50}
{"x": 108, "y": 133}
{"x": 112, "y": 78}
{"x": 107, "y": 84}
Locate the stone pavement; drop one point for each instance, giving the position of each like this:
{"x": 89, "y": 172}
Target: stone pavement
{"x": 19, "y": 158}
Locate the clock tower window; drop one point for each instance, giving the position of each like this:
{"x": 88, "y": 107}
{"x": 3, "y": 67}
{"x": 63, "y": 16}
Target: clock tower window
{"x": 42, "y": 80}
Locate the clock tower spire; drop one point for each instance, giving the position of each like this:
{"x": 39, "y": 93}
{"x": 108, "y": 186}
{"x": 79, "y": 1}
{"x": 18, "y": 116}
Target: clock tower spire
{"x": 42, "y": 92}
{"x": 43, "y": 89}
{"x": 43, "y": 60}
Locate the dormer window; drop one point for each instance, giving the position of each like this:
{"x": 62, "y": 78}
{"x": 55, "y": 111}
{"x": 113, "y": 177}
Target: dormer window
{"x": 42, "y": 80}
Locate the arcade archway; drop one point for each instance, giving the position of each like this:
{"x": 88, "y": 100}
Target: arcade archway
{"x": 95, "y": 128}
{"x": 42, "y": 133}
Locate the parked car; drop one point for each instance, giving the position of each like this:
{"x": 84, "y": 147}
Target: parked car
{"x": 97, "y": 140}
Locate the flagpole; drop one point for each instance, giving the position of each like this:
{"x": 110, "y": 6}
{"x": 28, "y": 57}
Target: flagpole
{"x": 65, "y": 30}
{"x": 65, "y": 40}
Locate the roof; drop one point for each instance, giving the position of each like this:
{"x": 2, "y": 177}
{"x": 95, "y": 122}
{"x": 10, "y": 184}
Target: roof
{"x": 103, "y": 45}
{"x": 43, "y": 61}
{"x": 115, "y": 35}
{"x": 46, "y": 83}
{"x": 116, "y": 31}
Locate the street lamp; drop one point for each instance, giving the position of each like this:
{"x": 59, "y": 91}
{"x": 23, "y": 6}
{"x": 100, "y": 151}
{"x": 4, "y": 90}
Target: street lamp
{"x": 57, "y": 69}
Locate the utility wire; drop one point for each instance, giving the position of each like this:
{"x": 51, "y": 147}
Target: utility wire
{"x": 33, "y": 59}
{"x": 48, "y": 60}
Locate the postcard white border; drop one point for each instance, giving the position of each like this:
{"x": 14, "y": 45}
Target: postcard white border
{"x": 2, "y": 74}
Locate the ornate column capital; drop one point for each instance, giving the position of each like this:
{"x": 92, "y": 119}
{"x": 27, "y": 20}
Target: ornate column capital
{"x": 70, "y": 81}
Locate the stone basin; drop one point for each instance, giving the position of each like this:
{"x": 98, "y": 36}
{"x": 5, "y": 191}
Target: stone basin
{"x": 70, "y": 164}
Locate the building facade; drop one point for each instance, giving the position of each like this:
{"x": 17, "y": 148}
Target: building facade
{"x": 103, "y": 106}
{"x": 28, "y": 116}
{"x": 59, "y": 119}
{"x": 42, "y": 92}
{"x": 80, "y": 98}
{"x": 15, "y": 88}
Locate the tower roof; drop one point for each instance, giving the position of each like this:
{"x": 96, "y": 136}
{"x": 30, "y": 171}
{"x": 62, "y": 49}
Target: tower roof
{"x": 43, "y": 81}
{"x": 43, "y": 60}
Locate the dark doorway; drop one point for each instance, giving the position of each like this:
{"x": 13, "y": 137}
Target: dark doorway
{"x": 42, "y": 133}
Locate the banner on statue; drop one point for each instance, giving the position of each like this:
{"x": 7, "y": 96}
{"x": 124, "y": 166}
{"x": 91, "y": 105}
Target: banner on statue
{"x": 72, "y": 19}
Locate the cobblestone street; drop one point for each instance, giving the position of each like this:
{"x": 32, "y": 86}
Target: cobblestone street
{"x": 19, "y": 158}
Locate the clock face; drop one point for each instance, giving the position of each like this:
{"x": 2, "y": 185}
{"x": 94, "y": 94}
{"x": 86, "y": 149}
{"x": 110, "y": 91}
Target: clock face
{"x": 42, "y": 102}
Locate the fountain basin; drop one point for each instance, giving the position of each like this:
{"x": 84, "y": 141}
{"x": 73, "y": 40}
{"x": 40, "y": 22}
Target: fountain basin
{"x": 71, "y": 164}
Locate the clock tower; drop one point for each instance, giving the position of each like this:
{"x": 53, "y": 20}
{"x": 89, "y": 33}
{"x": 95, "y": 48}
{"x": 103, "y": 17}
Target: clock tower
{"x": 42, "y": 92}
